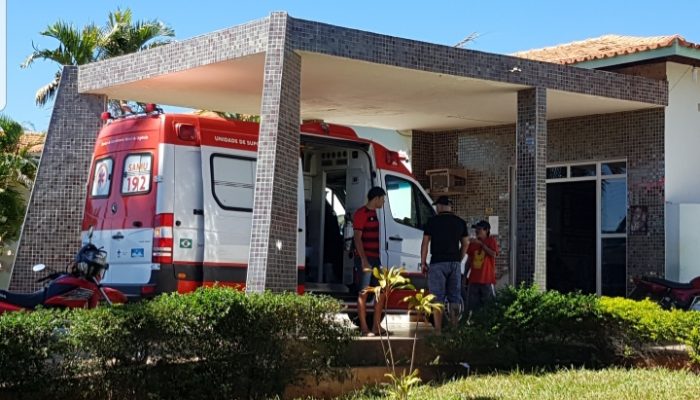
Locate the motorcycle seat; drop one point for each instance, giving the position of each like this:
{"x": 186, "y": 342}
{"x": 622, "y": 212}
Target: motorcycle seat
{"x": 669, "y": 284}
{"x": 24, "y": 300}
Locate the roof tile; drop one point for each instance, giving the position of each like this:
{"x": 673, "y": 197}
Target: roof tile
{"x": 602, "y": 47}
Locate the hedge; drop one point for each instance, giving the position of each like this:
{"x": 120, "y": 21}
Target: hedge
{"x": 531, "y": 328}
{"x": 213, "y": 343}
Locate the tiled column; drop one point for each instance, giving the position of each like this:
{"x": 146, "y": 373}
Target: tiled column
{"x": 51, "y": 233}
{"x": 272, "y": 260}
{"x": 531, "y": 191}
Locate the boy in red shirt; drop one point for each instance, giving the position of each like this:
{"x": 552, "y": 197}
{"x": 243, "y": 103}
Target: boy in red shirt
{"x": 482, "y": 252}
{"x": 366, "y": 226}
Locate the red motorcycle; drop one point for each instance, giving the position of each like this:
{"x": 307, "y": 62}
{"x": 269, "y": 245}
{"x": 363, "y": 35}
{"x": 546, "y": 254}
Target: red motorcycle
{"x": 668, "y": 294}
{"x": 78, "y": 287}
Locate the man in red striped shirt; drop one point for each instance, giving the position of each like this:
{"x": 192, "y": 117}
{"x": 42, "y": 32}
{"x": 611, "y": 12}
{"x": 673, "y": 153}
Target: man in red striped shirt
{"x": 366, "y": 226}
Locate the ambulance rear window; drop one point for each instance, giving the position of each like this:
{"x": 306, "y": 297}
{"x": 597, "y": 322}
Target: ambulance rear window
{"x": 102, "y": 178}
{"x": 233, "y": 181}
{"x": 136, "y": 178}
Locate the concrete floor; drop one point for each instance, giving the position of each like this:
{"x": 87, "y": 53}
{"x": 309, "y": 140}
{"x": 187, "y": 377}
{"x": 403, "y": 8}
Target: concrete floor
{"x": 400, "y": 325}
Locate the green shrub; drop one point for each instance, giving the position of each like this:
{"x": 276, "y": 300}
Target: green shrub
{"x": 213, "y": 343}
{"x": 34, "y": 351}
{"x": 529, "y": 327}
{"x": 693, "y": 343}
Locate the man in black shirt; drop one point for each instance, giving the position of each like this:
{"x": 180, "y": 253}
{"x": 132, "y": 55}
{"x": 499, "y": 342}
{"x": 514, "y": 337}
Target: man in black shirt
{"x": 447, "y": 236}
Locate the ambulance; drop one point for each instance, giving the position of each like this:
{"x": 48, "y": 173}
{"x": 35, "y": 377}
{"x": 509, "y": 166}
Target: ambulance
{"x": 170, "y": 198}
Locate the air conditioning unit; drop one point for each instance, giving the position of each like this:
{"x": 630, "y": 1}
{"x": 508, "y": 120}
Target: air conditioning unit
{"x": 446, "y": 181}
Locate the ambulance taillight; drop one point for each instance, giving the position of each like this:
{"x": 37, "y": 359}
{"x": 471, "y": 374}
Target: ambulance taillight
{"x": 163, "y": 239}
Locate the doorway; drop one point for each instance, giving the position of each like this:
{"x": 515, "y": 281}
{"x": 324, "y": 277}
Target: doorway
{"x": 571, "y": 238}
{"x": 586, "y": 227}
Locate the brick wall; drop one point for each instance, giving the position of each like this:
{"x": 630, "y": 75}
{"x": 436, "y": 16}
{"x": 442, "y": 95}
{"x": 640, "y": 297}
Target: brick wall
{"x": 51, "y": 233}
{"x": 488, "y": 153}
{"x": 655, "y": 70}
{"x": 273, "y": 244}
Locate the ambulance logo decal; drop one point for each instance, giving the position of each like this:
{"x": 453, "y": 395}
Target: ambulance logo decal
{"x": 137, "y": 252}
{"x": 185, "y": 243}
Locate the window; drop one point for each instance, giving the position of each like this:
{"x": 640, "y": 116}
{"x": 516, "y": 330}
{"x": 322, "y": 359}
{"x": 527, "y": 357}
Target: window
{"x": 613, "y": 205}
{"x": 102, "y": 178}
{"x": 556, "y": 172}
{"x": 233, "y": 182}
{"x": 582, "y": 170}
{"x": 136, "y": 178}
{"x": 337, "y": 207}
{"x": 408, "y": 205}
{"x": 614, "y": 168}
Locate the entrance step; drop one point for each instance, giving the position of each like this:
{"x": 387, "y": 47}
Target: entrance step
{"x": 326, "y": 288}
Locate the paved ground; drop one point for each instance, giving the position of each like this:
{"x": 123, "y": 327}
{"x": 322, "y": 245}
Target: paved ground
{"x": 399, "y": 324}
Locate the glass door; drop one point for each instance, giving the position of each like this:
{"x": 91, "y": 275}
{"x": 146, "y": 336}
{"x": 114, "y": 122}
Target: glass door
{"x": 613, "y": 229}
{"x": 587, "y": 227}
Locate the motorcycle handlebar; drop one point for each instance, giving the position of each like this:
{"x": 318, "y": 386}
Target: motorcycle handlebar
{"x": 48, "y": 277}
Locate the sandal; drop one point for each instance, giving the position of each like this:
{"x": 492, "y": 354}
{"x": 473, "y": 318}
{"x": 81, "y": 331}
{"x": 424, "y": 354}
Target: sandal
{"x": 367, "y": 334}
{"x": 383, "y": 332}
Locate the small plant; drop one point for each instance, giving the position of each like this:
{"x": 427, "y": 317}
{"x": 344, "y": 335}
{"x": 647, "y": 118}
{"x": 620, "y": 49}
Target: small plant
{"x": 423, "y": 304}
{"x": 400, "y": 386}
{"x": 389, "y": 279}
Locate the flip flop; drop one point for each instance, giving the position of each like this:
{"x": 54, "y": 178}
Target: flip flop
{"x": 367, "y": 334}
{"x": 383, "y": 332}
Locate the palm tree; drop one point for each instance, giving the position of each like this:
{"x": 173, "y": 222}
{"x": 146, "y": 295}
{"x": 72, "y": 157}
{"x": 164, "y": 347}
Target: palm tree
{"x": 76, "y": 47}
{"x": 121, "y": 35}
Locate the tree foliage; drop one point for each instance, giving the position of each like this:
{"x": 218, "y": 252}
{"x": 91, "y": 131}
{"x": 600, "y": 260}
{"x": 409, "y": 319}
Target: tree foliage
{"x": 17, "y": 170}
{"x": 76, "y": 46}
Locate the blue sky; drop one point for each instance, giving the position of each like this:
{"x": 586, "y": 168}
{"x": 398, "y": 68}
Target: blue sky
{"x": 504, "y": 27}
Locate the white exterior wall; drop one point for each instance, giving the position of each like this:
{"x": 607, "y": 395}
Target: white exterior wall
{"x": 682, "y": 169}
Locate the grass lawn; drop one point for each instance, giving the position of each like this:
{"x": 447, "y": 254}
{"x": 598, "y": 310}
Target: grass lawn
{"x": 566, "y": 384}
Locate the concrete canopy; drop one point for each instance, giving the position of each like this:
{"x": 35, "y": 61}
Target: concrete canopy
{"x": 358, "y": 88}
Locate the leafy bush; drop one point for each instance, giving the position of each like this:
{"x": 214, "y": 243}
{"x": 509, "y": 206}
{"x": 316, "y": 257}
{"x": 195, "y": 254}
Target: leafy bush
{"x": 215, "y": 343}
{"x": 643, "y": 320}
{"x": 529, "y": 327}
{"x": 28, "y": 345}
{"x": 693, "y": 343}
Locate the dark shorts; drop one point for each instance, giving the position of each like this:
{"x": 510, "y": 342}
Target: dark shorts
{"x": 479, "y": 294}
{"x": 366, "y": 277}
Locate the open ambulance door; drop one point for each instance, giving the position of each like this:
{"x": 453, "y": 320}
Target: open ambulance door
{"x": 406, "y": 210}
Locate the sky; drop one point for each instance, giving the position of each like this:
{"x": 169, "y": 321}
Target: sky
{"x": 501, "y": 27}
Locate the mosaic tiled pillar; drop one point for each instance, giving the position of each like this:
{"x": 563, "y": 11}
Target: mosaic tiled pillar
{"x": 272, "y": 261}
{"x": 531, "y": 191}
{"x": 51, "y": 233}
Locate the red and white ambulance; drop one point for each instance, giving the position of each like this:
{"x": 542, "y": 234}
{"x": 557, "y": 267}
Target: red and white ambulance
{"x": 170, "y": 197}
